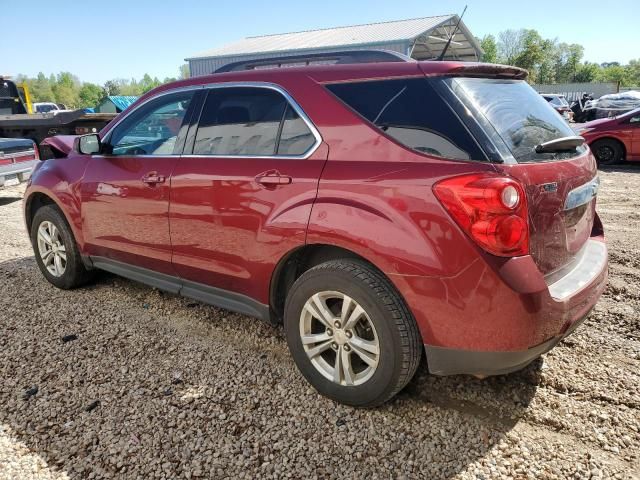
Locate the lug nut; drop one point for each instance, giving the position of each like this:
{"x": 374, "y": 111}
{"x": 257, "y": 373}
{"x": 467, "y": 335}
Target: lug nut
{"x": 329, "y": 332}
{"x": 346, "y": 348}
{"x": 336, "y": 324}
{"x": 334, "y": 346}
{"x": 348, "y": 334}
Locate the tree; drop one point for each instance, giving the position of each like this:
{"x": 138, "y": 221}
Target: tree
{"x": 90, "y": 95}
{"x": 185, "y": 73}
{"x": 147, "y": 83}
{"x": 587, "y": 72}
{"x": 488, "y": 44}
{"x": 510, "y": 45}
{"x": 40, "y": 89}
{"x": 531, "y": 52}
{"x": 66, "y": 89}
{"x": 111, "y": 87}
{"x": 633, "y": 72}
{"x": 614, "y": 73}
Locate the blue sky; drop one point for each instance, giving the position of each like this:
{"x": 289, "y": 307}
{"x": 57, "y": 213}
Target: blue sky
{"x": 98, "y": 41}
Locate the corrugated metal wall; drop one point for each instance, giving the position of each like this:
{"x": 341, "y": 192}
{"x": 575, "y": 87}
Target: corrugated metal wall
{"x": 575, "y": 90}
{"x": 206, "y": 66}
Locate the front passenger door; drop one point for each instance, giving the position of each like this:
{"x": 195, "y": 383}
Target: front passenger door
{"x": 125, "y": 191}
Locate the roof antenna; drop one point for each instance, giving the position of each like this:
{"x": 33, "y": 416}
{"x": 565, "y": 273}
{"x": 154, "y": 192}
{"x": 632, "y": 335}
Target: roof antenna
{"x": 455, "y": 30}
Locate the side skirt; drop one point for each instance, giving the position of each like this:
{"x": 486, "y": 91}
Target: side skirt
{"x": 219, "y": 297}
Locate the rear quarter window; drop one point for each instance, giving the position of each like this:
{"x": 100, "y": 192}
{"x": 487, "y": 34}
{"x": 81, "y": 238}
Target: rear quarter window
{"x": 412, "y": 113}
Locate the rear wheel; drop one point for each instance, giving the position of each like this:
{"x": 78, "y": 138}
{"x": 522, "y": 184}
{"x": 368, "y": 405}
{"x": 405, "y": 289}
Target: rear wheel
{"x": 350, "y": 333}
{"x": 607, "y": 151}
{"x": 55, "y": 249}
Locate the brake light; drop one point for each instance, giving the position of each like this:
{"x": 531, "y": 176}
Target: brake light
{"x": 491, "y": 209}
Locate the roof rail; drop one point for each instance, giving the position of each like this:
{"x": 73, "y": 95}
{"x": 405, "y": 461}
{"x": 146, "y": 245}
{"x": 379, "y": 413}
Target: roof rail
{"x": 330, "y": 58}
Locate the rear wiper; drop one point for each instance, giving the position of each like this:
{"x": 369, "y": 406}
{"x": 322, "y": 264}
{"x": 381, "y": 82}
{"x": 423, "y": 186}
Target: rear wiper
{"x": 564, "y": 144}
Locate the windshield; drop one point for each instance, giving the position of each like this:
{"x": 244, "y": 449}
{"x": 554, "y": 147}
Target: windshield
{"x": 557, "y": 101}
{"x": 45, "y": 108}
{"x": 519, "y": 116}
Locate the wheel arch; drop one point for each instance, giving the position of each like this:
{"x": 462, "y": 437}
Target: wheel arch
{"x": 612, "y": 139}
{"x": 37, "y": 199}
{"x": 299, "y": 260}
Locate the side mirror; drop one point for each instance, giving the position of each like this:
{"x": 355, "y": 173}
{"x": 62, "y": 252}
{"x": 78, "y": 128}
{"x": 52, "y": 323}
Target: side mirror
{"x": 88, "y": 144}
{"x": 634, "y": 120}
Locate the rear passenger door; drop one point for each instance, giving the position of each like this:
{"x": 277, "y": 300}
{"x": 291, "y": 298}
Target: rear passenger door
{"x": 242, "y": 192}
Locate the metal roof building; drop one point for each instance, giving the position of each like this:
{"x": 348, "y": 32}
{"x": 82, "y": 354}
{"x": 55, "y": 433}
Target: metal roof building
{"x": 420, "y": 38}
{"x": 115, "y": 103}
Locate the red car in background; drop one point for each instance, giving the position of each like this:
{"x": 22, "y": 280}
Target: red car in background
{"x": 614, "y": 139}
{"x": 379, "y": 210}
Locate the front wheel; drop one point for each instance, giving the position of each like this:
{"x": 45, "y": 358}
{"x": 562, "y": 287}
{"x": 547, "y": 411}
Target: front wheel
{"x": 350, "y": 334}
{"x": 55, "y": 249}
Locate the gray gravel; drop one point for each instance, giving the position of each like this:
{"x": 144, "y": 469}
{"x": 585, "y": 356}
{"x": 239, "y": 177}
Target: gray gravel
{"x": 157, "y": 386}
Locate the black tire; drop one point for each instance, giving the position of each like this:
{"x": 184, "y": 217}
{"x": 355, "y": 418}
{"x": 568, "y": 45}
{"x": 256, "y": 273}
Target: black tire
{"x": 75, "y": 274}
{"x": 400, "y": 346}
{"x": 607, "y": 151}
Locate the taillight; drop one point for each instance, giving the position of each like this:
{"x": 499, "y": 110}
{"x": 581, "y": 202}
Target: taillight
{"x": 491, "y": 209}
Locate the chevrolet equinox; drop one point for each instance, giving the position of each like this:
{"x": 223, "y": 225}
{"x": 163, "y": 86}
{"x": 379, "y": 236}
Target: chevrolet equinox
{"x": 378, "y": 210}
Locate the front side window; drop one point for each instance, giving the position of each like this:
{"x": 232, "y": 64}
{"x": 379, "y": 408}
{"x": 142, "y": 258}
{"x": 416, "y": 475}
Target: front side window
{"x": 412, "y": 113}
{"x": 152, "y": 129}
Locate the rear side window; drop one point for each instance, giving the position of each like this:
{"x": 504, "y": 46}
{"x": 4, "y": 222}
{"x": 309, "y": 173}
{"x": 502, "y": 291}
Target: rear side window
{"x": 411, "y": 112}
{"x": 248, "y": 121}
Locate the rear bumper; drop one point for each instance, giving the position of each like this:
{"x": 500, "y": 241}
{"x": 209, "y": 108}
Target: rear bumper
{"x": 451, "y": 361}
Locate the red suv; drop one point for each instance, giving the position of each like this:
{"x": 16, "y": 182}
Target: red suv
{"x": 375, "y": 209}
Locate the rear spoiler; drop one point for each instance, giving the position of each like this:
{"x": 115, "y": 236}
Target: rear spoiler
{"x": 489, "y": 69}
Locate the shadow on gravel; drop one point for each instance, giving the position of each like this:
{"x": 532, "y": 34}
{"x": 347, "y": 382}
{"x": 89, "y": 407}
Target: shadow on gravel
{"x": 501, "y": 401}
{"x": 627, "y": 167}
{"x": 8, "y": 200}
{"x": 440, "y": 424}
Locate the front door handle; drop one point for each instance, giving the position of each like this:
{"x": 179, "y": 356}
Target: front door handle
{"x": 273, "y": 178}
{"x": 153, "y": 177}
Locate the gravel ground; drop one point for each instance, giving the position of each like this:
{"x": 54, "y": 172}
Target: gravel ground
{"x": 157, "y": 386}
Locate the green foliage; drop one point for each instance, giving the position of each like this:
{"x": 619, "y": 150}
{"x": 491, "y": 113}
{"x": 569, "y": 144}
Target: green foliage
{"x": 551, "y": 62}
{"x": 67, "y": 89}
{"x": 90, "y": 94}
{"x": 184, "y": 71}
{"x": 490, "y": 48}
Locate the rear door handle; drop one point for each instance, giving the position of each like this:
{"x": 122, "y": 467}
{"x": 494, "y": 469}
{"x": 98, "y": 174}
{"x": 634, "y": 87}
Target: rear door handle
{"x": 272, "y": 179}
{"x": 153, "y": 178}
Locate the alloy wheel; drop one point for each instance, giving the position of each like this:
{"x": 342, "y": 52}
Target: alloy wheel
{"x": 339, "y": 338}
{"x": 51, "y": 249}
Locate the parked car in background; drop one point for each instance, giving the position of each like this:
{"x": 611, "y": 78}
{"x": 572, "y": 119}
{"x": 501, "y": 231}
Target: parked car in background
{"x": 560, "y": 104}
{"x": 18, "y": 156}
{"x": 48, "y": 107}
{"x": 613, "y": 140}
{"x": 379, "y": 210}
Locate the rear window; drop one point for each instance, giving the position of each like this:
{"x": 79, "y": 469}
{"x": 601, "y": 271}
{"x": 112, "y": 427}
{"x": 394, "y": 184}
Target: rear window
{"x": 520, "y": 117}
{"x": 412, "y": 113}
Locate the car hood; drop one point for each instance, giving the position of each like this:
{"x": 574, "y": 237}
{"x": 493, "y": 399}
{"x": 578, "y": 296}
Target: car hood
{"x": 601, "y": 122}
{"x": 62, "y": 144}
